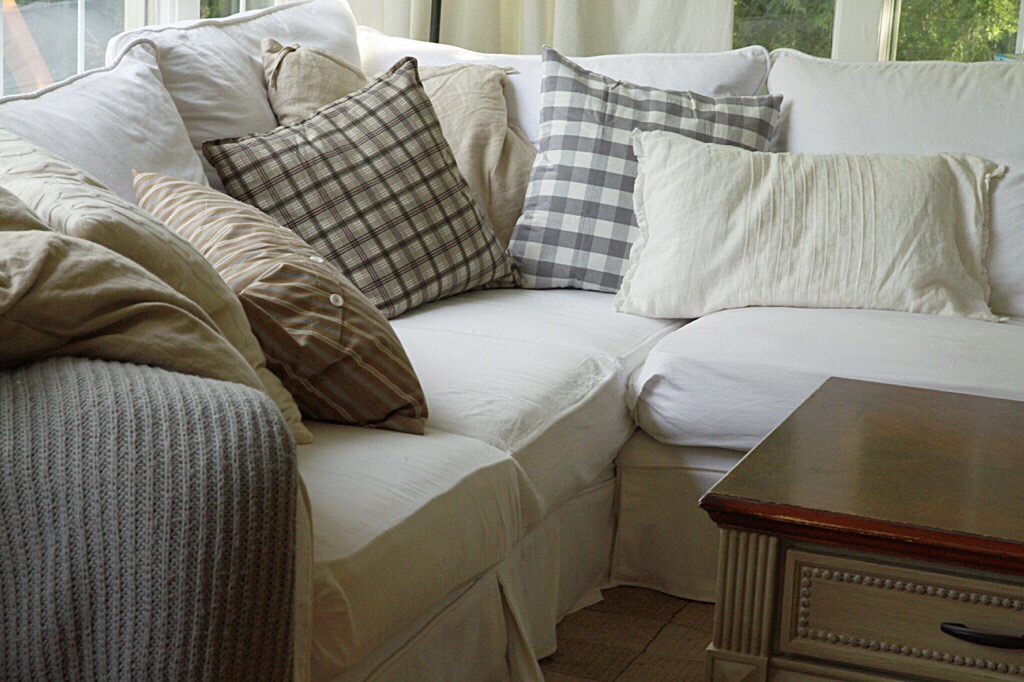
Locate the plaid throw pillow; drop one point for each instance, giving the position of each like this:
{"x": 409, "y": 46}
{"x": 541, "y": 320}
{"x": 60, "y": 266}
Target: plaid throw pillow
{"x": 331, "y": 347}
{"x": 578, "y": 224}
{"x": 370, "y": 183}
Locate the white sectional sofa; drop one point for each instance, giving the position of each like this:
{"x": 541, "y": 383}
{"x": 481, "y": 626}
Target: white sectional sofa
{"x": 454, "y": 554}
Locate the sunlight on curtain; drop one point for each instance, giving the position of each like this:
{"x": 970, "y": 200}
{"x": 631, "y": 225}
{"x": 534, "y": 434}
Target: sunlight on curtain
{"x": 577, "y": 27}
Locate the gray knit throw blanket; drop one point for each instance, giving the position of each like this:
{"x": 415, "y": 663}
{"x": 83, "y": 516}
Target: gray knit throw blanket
{"x": 146, "y": 526}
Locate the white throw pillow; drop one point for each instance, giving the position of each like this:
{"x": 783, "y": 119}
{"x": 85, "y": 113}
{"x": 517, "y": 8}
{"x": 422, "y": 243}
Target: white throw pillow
{"x": 109, "y": 121}
{"x": 918, "y": 108}
{"x": 717, "y": 74}
{"x": 722, "y": 227}
{"x": 213, "y": 68}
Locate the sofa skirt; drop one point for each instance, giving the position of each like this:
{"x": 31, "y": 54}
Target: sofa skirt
{"x": 664, "y": 540}
{"x": 499, "y": 625}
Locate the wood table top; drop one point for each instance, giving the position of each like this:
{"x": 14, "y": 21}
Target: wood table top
{"x": 905, "y": 471}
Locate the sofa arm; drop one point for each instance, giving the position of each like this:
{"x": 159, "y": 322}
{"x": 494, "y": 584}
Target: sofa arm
{"x": 146, "y": 526}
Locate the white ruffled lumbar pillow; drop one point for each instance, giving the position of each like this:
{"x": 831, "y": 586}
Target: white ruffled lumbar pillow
{"x": 722, "y": 227}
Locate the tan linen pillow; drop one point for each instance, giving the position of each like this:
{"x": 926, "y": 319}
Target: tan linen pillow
{"x": 330, "y": 345}
{"x": 493, "y": 156}
{"x": 72, "y": 203}
{"x": 62, "y": 296}
{"x": 301, "y": 79}
{"x": 723, "y": 227}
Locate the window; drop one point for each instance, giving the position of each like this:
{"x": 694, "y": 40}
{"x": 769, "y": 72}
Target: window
{"x": 224, "y": 8}
{"x": 961, "y": 30}
{"x": 48, "y": 40}
{"x": 45, "y": 41}
{"x": 805, "y": 25}
{"x": 869, "y": 30}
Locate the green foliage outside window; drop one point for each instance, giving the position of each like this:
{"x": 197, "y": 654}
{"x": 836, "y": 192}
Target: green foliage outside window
{"x": 960, "y": 30}
{"x": 805, "y": 25}
{"x": 214, "y": 9}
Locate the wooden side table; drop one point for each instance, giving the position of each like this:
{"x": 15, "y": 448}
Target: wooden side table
{"x": 876, "y": 534}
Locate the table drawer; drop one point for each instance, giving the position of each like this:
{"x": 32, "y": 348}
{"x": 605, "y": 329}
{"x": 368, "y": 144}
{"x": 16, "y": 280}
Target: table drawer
{"x": 888, "y": 618}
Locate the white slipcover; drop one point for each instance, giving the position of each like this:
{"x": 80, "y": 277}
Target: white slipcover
{"x": 738, "y": 72}
{"x": 214, "y": 71}
{"x": 727, "y": 379}
{"x": 918, "y": 108}
{"x": 399, "y": 522}
{"x": 540, "y": 375}
{"x": 663, "y": 539}
{"x": 109, "y": 121}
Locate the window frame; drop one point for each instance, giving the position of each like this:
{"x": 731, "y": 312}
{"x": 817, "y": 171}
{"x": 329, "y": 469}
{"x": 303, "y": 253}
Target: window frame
{"x": 866, "y": 30}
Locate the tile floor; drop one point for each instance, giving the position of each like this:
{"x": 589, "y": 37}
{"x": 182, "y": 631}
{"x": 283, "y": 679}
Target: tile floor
{"x": 634, "y": 634}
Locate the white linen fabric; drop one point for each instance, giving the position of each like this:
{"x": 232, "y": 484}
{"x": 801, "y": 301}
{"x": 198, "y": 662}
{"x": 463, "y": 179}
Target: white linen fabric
{"x": 540, "y": 375}
{"x": 663, "y": 539}
{"x": 722, "y": 227}
{"x": 498, "y": 626}
{"x": 918, "y": 108}
{"x": 109, "y": 121}
{"x": 213, "y": 68}
{"x": 399, "y": 522}
{"x": 585, "y": 321}
{"x": 720, "y": 74}
{"x": 558, "y": 411}
{"x": 575, "y": 26}
{"x": 727, "y": 379}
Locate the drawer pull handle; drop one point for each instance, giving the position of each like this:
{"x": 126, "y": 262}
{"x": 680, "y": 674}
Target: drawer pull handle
{"x": 961, "y": 631}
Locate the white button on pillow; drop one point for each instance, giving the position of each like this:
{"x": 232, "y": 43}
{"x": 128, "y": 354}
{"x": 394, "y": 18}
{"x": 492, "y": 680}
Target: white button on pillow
{"x": 722, "y": 227}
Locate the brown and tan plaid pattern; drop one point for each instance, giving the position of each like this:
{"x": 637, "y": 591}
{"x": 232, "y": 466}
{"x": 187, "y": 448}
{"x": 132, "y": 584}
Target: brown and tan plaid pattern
{"x": 370, "y": 183}
{"x": 327, "y": 342}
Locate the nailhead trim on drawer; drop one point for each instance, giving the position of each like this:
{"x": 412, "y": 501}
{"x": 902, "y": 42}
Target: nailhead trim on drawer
{"x": 804, "y": 630}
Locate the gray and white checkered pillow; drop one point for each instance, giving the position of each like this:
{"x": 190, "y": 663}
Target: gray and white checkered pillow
{"x": 371, "y": 184}
{"x": 578, "y": 224}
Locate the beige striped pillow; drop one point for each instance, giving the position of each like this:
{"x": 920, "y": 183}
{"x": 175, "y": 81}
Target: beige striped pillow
{"x": 327, "y": 342}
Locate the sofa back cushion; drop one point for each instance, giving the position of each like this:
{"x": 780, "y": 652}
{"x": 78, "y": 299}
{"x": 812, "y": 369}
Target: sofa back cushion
{"x": 108, "y": 121}
{"x": 214, "y": 71}
{"x": 717, "y": 74}
{"x": 918, "y": 108}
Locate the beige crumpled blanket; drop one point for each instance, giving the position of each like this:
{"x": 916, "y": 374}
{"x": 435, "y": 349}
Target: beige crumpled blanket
{"x": 64, "y": 296}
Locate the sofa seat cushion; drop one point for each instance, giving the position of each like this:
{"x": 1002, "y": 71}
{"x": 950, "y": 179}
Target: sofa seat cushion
{"x": 399, "y": 522}
{"x": 727, "y": 379}
{"x": 539, "y": 375}
{"x": 584, "y": 320}
{"x": 560, "y": 412}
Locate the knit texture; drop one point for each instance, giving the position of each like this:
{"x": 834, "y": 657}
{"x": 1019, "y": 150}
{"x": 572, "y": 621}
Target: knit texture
{"x": 146, "y": 526}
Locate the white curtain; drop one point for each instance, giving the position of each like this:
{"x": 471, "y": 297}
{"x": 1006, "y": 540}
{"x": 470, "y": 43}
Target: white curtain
{"x": 576, "y": 27}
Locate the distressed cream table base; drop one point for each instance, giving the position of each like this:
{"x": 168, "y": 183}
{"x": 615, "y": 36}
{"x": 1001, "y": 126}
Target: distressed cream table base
{"x": 877, "y": 534}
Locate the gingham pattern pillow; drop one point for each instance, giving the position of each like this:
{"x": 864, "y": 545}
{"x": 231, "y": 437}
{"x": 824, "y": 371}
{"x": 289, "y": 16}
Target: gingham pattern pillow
{"x": 578, "y": 224}
{"x": 370, "y": 183}
{"x": 332, "y": 349}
